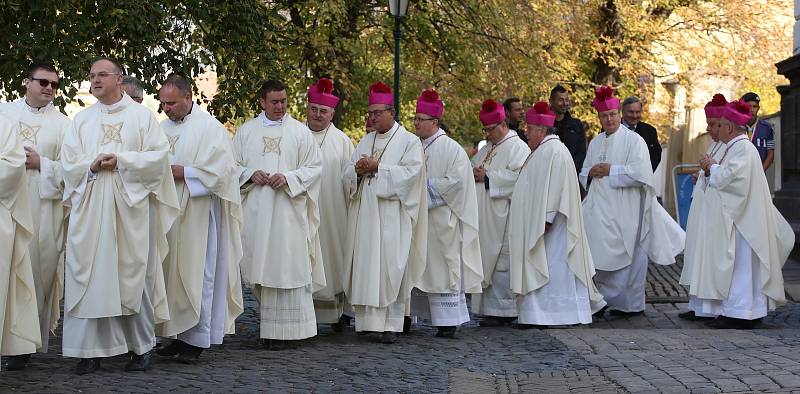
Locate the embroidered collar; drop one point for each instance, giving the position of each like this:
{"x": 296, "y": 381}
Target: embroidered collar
{"x": 115, "y": 107}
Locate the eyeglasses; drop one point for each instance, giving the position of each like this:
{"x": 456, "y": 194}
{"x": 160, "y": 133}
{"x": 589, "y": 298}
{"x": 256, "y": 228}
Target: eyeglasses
{"x": 376, "y": 113}
{"x": 490, "y": 129}
{"x": 43, "y": 82}
{"x": 418, "y": 119}
{"x": 101, "y": 74}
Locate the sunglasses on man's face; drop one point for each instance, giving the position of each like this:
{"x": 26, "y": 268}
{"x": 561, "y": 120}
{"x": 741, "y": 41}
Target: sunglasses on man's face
{"x": 43, "y": 82}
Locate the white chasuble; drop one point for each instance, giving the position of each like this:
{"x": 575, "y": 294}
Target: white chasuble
{"x": 620, "y": 210}
{"x": 336, "y": 149}
{"x": 117, "y": 235}
{"x": 502, "y": 162}
{"x": 208, "y": 231}
{"x": 19, "y": 323}
{"x": 387, "y": 229}
{"x": 750, "y": 235}
{"x": 43, "y": 130}
{"x": 547, "y": 192}
{"x": 695, "y": 223}
{"x": 454, "y": 254}
{"x": 280, "y": 238}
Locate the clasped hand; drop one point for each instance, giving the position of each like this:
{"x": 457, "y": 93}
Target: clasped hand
{"x": 366, "y": 165}
{"x": 600, "y": 170}
{"x": 275, "y": 181}
{"x": 104, "y": 162}
{"x": 706, "y": 162}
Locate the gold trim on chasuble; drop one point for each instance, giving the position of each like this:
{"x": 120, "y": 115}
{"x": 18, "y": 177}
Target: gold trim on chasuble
{"x": 172, "y": 142}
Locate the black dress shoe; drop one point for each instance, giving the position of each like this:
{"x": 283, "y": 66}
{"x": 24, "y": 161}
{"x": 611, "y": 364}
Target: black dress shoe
{"x": 190, "y": 354}
{"x": 139, "y": 363}
{"x": 173, "y": 349}
{"x": 406, "y": 324}
{"x": 691, "y": 316}
{"x": 446, "y": 331}
{"x": 388, "y": 337}
{"x": 339, "y": 325}
{"x": 725, "y": 323}
{"x": 521, "y": 326}
{"x": 87, "y": 366}
{"x": 16, "y": 363}
{"x": 615, "y": 312}
{"x": 599, "y": 314}
{"x": 275, "y": 344}
{"x": 492, "y": 321}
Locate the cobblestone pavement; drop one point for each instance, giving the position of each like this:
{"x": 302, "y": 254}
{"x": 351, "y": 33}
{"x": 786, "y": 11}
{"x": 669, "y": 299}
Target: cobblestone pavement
{"x": 662, "y": 283}
{"x": 655, "y": 352}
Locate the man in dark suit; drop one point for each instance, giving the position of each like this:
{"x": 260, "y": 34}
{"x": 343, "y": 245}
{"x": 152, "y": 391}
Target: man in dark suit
{"x": 570, "y": 130}
{"x": 631, "y": 118}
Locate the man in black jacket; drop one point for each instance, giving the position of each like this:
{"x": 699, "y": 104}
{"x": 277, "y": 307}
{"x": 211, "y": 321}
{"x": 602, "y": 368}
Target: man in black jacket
{"x": 631, "y": 118}
{"x": 570, "y": 130}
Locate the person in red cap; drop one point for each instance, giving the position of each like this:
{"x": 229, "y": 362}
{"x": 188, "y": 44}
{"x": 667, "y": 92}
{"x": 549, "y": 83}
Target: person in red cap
{"x": 387, "y": 220}
{"x": 551, "y": 267}
{"x": 495, "y": 170}
{"x": 626, "y": 225}
{"x": 742, "y": 284}
{"x": 696, "y": 251}
{"x": 336, "y": 149}
{"x": 280, "y": 165}
{"x": 453, "y": 263}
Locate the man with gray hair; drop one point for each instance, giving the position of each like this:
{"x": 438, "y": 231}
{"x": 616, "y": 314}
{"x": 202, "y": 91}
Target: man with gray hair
{"x": 133, "y": 88}
{"x": 631, "y": 118}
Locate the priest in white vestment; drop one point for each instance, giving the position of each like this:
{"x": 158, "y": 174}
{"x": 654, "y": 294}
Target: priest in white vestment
{"x": 201, "y": 271}
{"x": 336, "y": 149}
{"x": 280, "y": 179}
{"x": 123, "y": 202}
{"x": 453, "y": 262}
{"x": 739, "y": 279}
{"x": 495, "y": 170}
{"x": 625, "y": 224}
{"x": 551, "y": 266}
{"x": 41, "y": 128}
{"x": 387, "y": 220}
{"x": 695, "y": 225}
{"x": 19, "y": 321}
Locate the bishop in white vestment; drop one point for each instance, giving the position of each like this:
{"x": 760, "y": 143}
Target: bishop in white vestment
{"x": 551, "y": 266}
{"x": 204, "y": 289}
{"x": 41, "y": 128}
{"x": 336, "y": 149}
{"x": 739, "y": 279}
{"x": 453, "y": 262}
{"x": 19, "y": 322}
{"x": 695, "y": 225}
{"x": 280, "y": 178}
{"x": 387, "y": 221}
{"x": 123, "y": 202}
{"x": 625, "y": 225}
{"x": 495, "y": 170}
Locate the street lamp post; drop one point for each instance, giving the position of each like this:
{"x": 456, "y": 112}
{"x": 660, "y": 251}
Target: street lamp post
{"x": 398, "y": 9}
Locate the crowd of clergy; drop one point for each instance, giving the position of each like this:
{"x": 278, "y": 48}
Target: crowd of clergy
{"x": 143, "y": 230}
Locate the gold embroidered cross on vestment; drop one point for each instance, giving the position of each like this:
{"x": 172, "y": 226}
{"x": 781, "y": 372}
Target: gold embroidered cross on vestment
{"x": 272, "y": 145}
{"x": 173, "y": 140}
{"x": 111, "y": 133}
{"x": 28, "y": 132}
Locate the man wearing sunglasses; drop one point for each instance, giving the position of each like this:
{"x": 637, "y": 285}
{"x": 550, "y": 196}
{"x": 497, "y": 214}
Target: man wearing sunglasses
{"x": 495, "y": 170}
{"x": 123, "y": 201}
{"x": 41, "y": 130}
